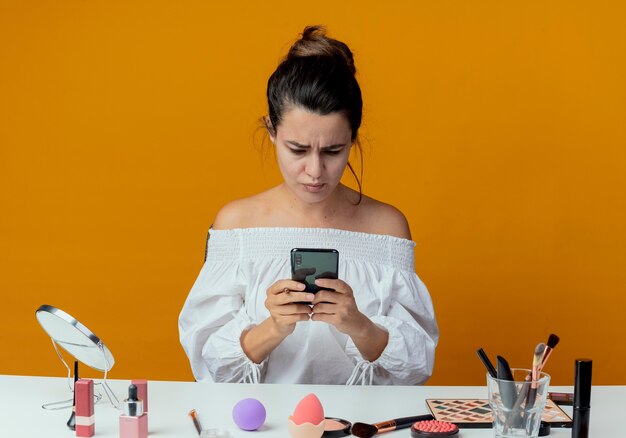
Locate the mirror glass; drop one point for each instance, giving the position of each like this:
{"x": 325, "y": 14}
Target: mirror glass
{"x": 75, "y": 338}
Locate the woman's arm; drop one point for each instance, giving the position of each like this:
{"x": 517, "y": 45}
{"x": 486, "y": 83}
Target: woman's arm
{"x": 371, "y": 341}
{"x": 394, "y": 347}
{"x": 338, "y": 307}
{"x": 408, "y": 317}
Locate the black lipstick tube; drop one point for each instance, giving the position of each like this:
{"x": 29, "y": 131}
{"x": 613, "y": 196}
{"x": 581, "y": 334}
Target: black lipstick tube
{"x": 582, "y": 399}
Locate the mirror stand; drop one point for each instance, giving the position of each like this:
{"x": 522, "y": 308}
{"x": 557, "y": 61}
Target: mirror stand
{"x": 64, "y": 404}
{"x": 107, "y": 389}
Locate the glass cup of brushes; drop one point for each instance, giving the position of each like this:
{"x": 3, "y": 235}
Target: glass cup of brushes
{"x": 517, "y": 405}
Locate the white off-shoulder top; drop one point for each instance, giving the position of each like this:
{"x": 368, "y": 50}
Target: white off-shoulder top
{"x": 228, "y": 297}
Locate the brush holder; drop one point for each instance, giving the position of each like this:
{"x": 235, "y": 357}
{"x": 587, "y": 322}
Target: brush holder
{"x": 517, "y": 405}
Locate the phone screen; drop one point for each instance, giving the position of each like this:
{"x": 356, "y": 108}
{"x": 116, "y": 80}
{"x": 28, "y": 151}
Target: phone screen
{"x": 309, "y": 264}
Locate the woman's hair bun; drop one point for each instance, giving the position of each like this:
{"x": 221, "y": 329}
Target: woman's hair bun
{"x": 314, "y": 42}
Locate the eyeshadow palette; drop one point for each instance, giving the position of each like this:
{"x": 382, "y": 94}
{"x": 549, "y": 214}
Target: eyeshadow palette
{"x": 476, "y": 413}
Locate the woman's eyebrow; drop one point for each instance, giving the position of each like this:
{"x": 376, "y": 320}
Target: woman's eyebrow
{"x": 306, "y": 146}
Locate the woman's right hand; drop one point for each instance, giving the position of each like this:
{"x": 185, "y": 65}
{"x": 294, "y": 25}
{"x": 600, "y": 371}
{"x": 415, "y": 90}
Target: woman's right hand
{"x": 282, "y": 302}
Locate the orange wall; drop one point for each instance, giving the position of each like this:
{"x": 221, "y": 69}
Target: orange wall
{"x": 497, "y": 127}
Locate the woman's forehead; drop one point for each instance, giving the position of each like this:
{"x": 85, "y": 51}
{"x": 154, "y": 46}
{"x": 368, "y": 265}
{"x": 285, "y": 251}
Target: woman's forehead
{"x": 303, "y": 124}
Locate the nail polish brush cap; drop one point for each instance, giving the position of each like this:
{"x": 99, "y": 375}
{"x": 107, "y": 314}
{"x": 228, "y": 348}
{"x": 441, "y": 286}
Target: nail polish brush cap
{"x": 582, "y": 384}
{"x": 133, "y": 407}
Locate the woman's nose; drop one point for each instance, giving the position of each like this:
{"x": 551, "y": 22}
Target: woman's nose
{"x": 314, "y": 166}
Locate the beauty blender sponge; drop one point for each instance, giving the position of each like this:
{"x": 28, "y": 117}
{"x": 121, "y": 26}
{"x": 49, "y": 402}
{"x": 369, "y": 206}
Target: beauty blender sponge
{"x": 309, "y": 410}
{"x": 307, "y": 420}
{"x": 249, "y": 414}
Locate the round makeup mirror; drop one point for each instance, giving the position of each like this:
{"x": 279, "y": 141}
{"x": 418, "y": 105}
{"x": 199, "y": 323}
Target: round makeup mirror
{"x": 75, "y": 338}
{"x": 80, "y": 342}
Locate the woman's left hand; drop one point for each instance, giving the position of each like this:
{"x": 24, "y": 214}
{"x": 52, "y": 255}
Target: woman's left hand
{"x": 338, "y": 307}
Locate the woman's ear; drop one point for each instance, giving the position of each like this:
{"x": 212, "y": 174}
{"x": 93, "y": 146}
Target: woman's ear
{"x": 270, "y": 128}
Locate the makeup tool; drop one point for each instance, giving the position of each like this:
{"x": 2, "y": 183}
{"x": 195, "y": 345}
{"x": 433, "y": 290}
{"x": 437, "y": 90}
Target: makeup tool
{"x": 365, "y": 430}
{"x": 133, "y": 421}
{"x": 85, "y": 419}
{"x": 486, "y": 362}
{"x": 307, "y": 420}
{"x": 71, "y": 422}
{"x": 562, "y": 398}
{"x": 335, "y": 427}
{"x": 537, "y": 358}
{"x": 582, "y": 398}
{"x": 207, "y": 433}
{"x": 249, "y": 414}
{"x": 196, "y": 422}
{"x": 506, "y": 384}
{"x": 553, "y": 340}
{"x": 476, "y": 413}
{"x": 433, "y": 429}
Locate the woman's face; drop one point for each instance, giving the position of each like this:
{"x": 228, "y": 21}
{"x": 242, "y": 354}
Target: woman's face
{"x": 312, "y": 152}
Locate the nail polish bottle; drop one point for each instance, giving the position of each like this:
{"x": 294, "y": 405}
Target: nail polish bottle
{"x": 133, "y": 422}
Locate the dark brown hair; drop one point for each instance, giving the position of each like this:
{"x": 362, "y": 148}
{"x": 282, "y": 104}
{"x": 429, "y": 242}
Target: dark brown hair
{"x": 318, "y": 74}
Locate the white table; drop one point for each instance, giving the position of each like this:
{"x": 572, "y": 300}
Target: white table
{"x": 21, "y": 414}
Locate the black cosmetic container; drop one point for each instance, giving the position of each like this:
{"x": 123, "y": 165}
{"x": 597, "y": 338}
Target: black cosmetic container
{"x": 582, "y": 399}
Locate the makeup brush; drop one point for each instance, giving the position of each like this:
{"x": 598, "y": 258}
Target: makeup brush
{"x": 537, "y": 358}
{"x": 506, "y": 383}
{"x": 532, "y": 392}
{"x": 551, "y": 344}
{"x": 71, "y": 422}
{"x": 365, "y": 430}
{"x": 486, "y": 362}
{"x": 196, "y": 422}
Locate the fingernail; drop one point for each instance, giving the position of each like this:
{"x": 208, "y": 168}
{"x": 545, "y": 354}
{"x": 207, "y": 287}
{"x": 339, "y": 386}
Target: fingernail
{"x": 300, "y": 286}
{"x": 310, "y": 297}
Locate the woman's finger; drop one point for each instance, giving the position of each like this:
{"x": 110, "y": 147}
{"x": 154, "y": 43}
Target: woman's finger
{"x": 333, "y": 284}
{"x": 325, "y": 308}
{"x": 289, "y": 297}
{"x": 293, "y": 309}
{"x": 285, "y": 285}
{"x": 327, "y": 296}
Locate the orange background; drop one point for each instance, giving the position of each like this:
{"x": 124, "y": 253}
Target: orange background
{"x": 498, "y": 128}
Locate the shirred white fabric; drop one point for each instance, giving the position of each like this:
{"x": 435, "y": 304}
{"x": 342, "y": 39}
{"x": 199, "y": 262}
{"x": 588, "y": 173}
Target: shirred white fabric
{"x": 229, "y": 296}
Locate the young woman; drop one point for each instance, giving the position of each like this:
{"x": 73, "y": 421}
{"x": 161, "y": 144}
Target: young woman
{"x": 245, "y": 320}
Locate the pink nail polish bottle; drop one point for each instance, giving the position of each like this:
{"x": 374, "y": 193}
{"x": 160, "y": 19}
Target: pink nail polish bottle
{"x": 85, "y": 419}
{"x": 133, "y": 422}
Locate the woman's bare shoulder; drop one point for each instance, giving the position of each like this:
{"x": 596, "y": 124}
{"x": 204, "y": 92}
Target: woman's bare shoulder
{"x": 381, "y": 218}
{"x": 243, "y": 213}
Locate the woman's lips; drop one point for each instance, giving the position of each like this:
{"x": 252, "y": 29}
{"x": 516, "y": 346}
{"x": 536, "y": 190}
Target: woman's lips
{"x": 313, "y": 188}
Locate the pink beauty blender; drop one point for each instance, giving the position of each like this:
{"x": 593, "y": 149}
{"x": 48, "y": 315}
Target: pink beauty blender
{"x": 249, "y": 414}
{"x": 307, "y": 420}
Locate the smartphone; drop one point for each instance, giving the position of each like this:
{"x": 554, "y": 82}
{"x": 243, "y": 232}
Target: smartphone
{"x": 309, "y": 264}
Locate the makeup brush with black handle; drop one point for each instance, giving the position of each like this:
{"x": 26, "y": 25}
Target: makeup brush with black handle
{"x": 71, "y": 422}
{"x": 365, "y": 430}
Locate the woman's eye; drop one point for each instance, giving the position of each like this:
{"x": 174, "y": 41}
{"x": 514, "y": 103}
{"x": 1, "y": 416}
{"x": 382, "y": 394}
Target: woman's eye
{"x": 333, "y": 152}
{"x": 297, "y": 151}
